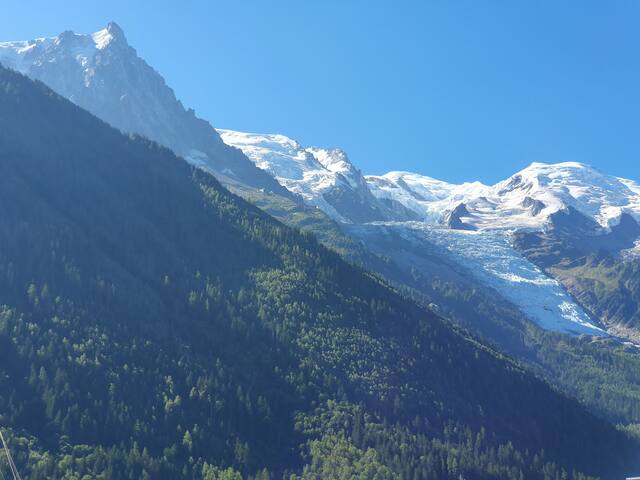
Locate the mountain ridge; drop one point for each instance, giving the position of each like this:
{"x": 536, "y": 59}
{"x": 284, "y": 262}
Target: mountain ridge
{"x": 88, "y": 70}
{"x": 102, "y": 73}
{"x": 324, "y": 178}
{"x": 524, "y": 200}
{"x": 271, "y": 166}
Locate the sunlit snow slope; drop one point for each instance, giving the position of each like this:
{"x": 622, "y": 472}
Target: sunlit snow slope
{"x": 309, "y": 172}
{"x": 324, "y": 178}
{"x": 524, "y": 200}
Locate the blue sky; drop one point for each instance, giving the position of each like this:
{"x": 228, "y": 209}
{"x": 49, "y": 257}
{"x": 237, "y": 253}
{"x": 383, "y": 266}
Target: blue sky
{"x": 458, "y": 90}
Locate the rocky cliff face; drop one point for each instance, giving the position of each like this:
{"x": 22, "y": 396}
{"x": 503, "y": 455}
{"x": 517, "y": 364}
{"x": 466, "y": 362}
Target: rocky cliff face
{"x": 103, "y": 74}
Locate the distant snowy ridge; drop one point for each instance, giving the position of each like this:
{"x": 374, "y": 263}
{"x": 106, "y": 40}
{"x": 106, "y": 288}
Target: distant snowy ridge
{"x": 308, "y": 172}
{"x": 103, "y": 74}
{"x": 524, "y": 200}
{"x": 24, "y": 51}
{"x": 323, "y": 177}
{"x": 427, "y": 197}
{"x": 470, "y": 222}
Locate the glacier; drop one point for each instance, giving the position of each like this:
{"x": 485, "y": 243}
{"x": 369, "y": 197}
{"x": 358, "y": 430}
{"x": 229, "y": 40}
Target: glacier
{"x": 490, "y": 258}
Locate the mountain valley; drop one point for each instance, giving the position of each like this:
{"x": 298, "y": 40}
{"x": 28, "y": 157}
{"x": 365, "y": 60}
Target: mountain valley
{"x": 286, "y": 315}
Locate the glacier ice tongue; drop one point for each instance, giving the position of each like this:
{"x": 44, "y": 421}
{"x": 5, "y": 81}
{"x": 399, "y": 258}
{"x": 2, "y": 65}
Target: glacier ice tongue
{"x": 490, "y": 258}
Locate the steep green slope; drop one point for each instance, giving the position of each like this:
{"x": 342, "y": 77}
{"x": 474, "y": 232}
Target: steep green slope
{"x": 157, "y": 326}
{"x": 308, "y": 220}
{"x": 580, "y": 367}
{"x": 608, "y": 287}
{"x": 592, "y": 267}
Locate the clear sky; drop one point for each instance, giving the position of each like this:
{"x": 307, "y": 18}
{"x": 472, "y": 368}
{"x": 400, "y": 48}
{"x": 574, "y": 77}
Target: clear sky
{"x": 458, "y": 90}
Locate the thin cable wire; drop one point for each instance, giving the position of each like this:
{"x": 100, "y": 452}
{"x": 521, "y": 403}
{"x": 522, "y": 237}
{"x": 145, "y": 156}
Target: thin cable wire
{"x": 6, "y": 451}
{"x": 12, "y": 466}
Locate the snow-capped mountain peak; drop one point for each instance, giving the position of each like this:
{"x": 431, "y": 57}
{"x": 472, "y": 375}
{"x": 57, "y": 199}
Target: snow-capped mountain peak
{"x": 101, "y": 73}
{"x": 427, "y": 197}
{"x": 284, "y": 157}
{"x": 527, "y": 199}
{"x": 603, "y": 198}
{"x": 32, "y": 55}
{"x": 109, "y": 35}
{"x": 336, "y": 160}
{"x": 324, "y": 178}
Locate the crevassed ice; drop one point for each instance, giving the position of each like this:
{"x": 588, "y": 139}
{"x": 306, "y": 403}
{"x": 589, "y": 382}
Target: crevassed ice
{"x": 490, "y": 258}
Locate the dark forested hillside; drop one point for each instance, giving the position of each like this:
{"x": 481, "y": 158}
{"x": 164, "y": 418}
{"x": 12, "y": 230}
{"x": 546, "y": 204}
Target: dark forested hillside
{"x": 579, "y": 366}
{"x": 156, "y": 326}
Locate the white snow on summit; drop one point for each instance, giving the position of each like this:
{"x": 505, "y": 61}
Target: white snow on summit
{"x": 307, "y": 171}
{"x": 524, "y": 200}
{"x": 103, "y": 74}
{"x": 427, "y": 197}
{"x": 103, "y": 37}
{"x": 12, "y": 54}
{"x": 23, "y": 56}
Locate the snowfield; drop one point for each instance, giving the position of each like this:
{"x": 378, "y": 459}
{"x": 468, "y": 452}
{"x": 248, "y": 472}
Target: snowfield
{"x": 524, "y": 200}
{"x": 23, "y": 56}
{"x": 310, "y": 172}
